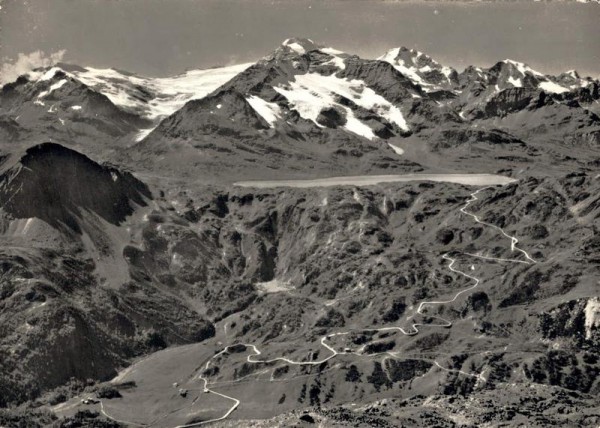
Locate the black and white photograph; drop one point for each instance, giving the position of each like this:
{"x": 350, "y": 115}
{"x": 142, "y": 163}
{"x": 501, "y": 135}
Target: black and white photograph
{"x": 299, "y": 213}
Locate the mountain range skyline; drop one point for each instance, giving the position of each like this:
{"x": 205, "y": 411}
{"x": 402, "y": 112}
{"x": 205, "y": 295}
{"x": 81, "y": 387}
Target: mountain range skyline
{"x": 550, "y": 37}
{"x": 28, "y": 64}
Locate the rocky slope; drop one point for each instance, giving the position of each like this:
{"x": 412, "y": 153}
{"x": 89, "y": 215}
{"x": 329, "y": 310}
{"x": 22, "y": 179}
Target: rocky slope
{"x": 61, "y": 214}
{"x": 418, "y": 303}
{"x": 57, "y": 185}
{"x": 59, "y": 107}
{"x": 81, "y": 106}
{"x": 282, "y": 269}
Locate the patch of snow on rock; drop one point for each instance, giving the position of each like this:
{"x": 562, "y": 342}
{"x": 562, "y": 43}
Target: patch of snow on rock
{"x": 592, "y": 316}
{"x": 311, "y": 92}
{"x": 553, "y": 87}
{"x": 269, "y": 111}
{"x": 273, "y": 286}
{"x": 49, "y": 74}
{"x": 515, "y": 82}
{"x": 409, "y": 72}
{"x": 143, "y": 133}
{"x": 296, "y": 48}
{"x": 53, "y": 87}
{"x": 336, "y": 61}
{"x": 523, "y": 68}
{"x": 57, "y": 85}
{"x": 331, "y": 51}
{"x": 356, "y": 126}
{"x": 397, "y": 149}
{"x": 162, "y": 96}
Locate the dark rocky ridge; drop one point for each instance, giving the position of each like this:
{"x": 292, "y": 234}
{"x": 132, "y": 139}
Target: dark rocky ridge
{"x": 60, "y": 321}
{"x": 226, "y": 113}
{"x": 57, "y": 184}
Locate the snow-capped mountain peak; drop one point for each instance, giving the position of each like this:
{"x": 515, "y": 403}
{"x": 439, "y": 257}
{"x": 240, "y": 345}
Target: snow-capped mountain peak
{"x": 509, "y": 73}
{"x": 572, "y": 79}
{"x": 295, "y": 47}
{"x": 299, "y": 45}
{"x": 522, "y": 67}
{"x": 420, "y": 68}
{"x": 150, "y": 98}
{"x": 409, "y": 58}
{"x": 299, "y": 85}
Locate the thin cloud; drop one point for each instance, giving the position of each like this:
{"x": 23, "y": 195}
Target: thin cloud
{"x": 25, "y": 63}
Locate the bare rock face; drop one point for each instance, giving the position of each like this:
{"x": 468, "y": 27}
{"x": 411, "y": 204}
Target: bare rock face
{"x": 56, "y": 185}
{"x": 382, "y": 77}
{"x": 226, "y": 113}
{"x": 331, "y": 117}
{"x": 508, "y": 101}
{"x": 10, "y": 130}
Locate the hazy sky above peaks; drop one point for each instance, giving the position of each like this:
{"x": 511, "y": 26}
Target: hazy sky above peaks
{"x": 165, "y": 37}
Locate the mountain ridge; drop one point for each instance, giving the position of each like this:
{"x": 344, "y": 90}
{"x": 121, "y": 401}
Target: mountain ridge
{"x": 170, "y": 256}
{"x": 346, "y": 104}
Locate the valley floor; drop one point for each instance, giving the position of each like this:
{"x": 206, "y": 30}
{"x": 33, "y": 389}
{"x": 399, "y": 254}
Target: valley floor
{"x": 156, "y": 400}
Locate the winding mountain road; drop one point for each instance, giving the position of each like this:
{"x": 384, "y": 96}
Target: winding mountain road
{"x": 513, "y": 240}
{"x": 234, "y": 406}
{"x": 414, "y": 327}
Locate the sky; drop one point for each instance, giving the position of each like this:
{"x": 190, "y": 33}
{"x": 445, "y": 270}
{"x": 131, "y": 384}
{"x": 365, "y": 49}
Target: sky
{"x": 167, "y": 37}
